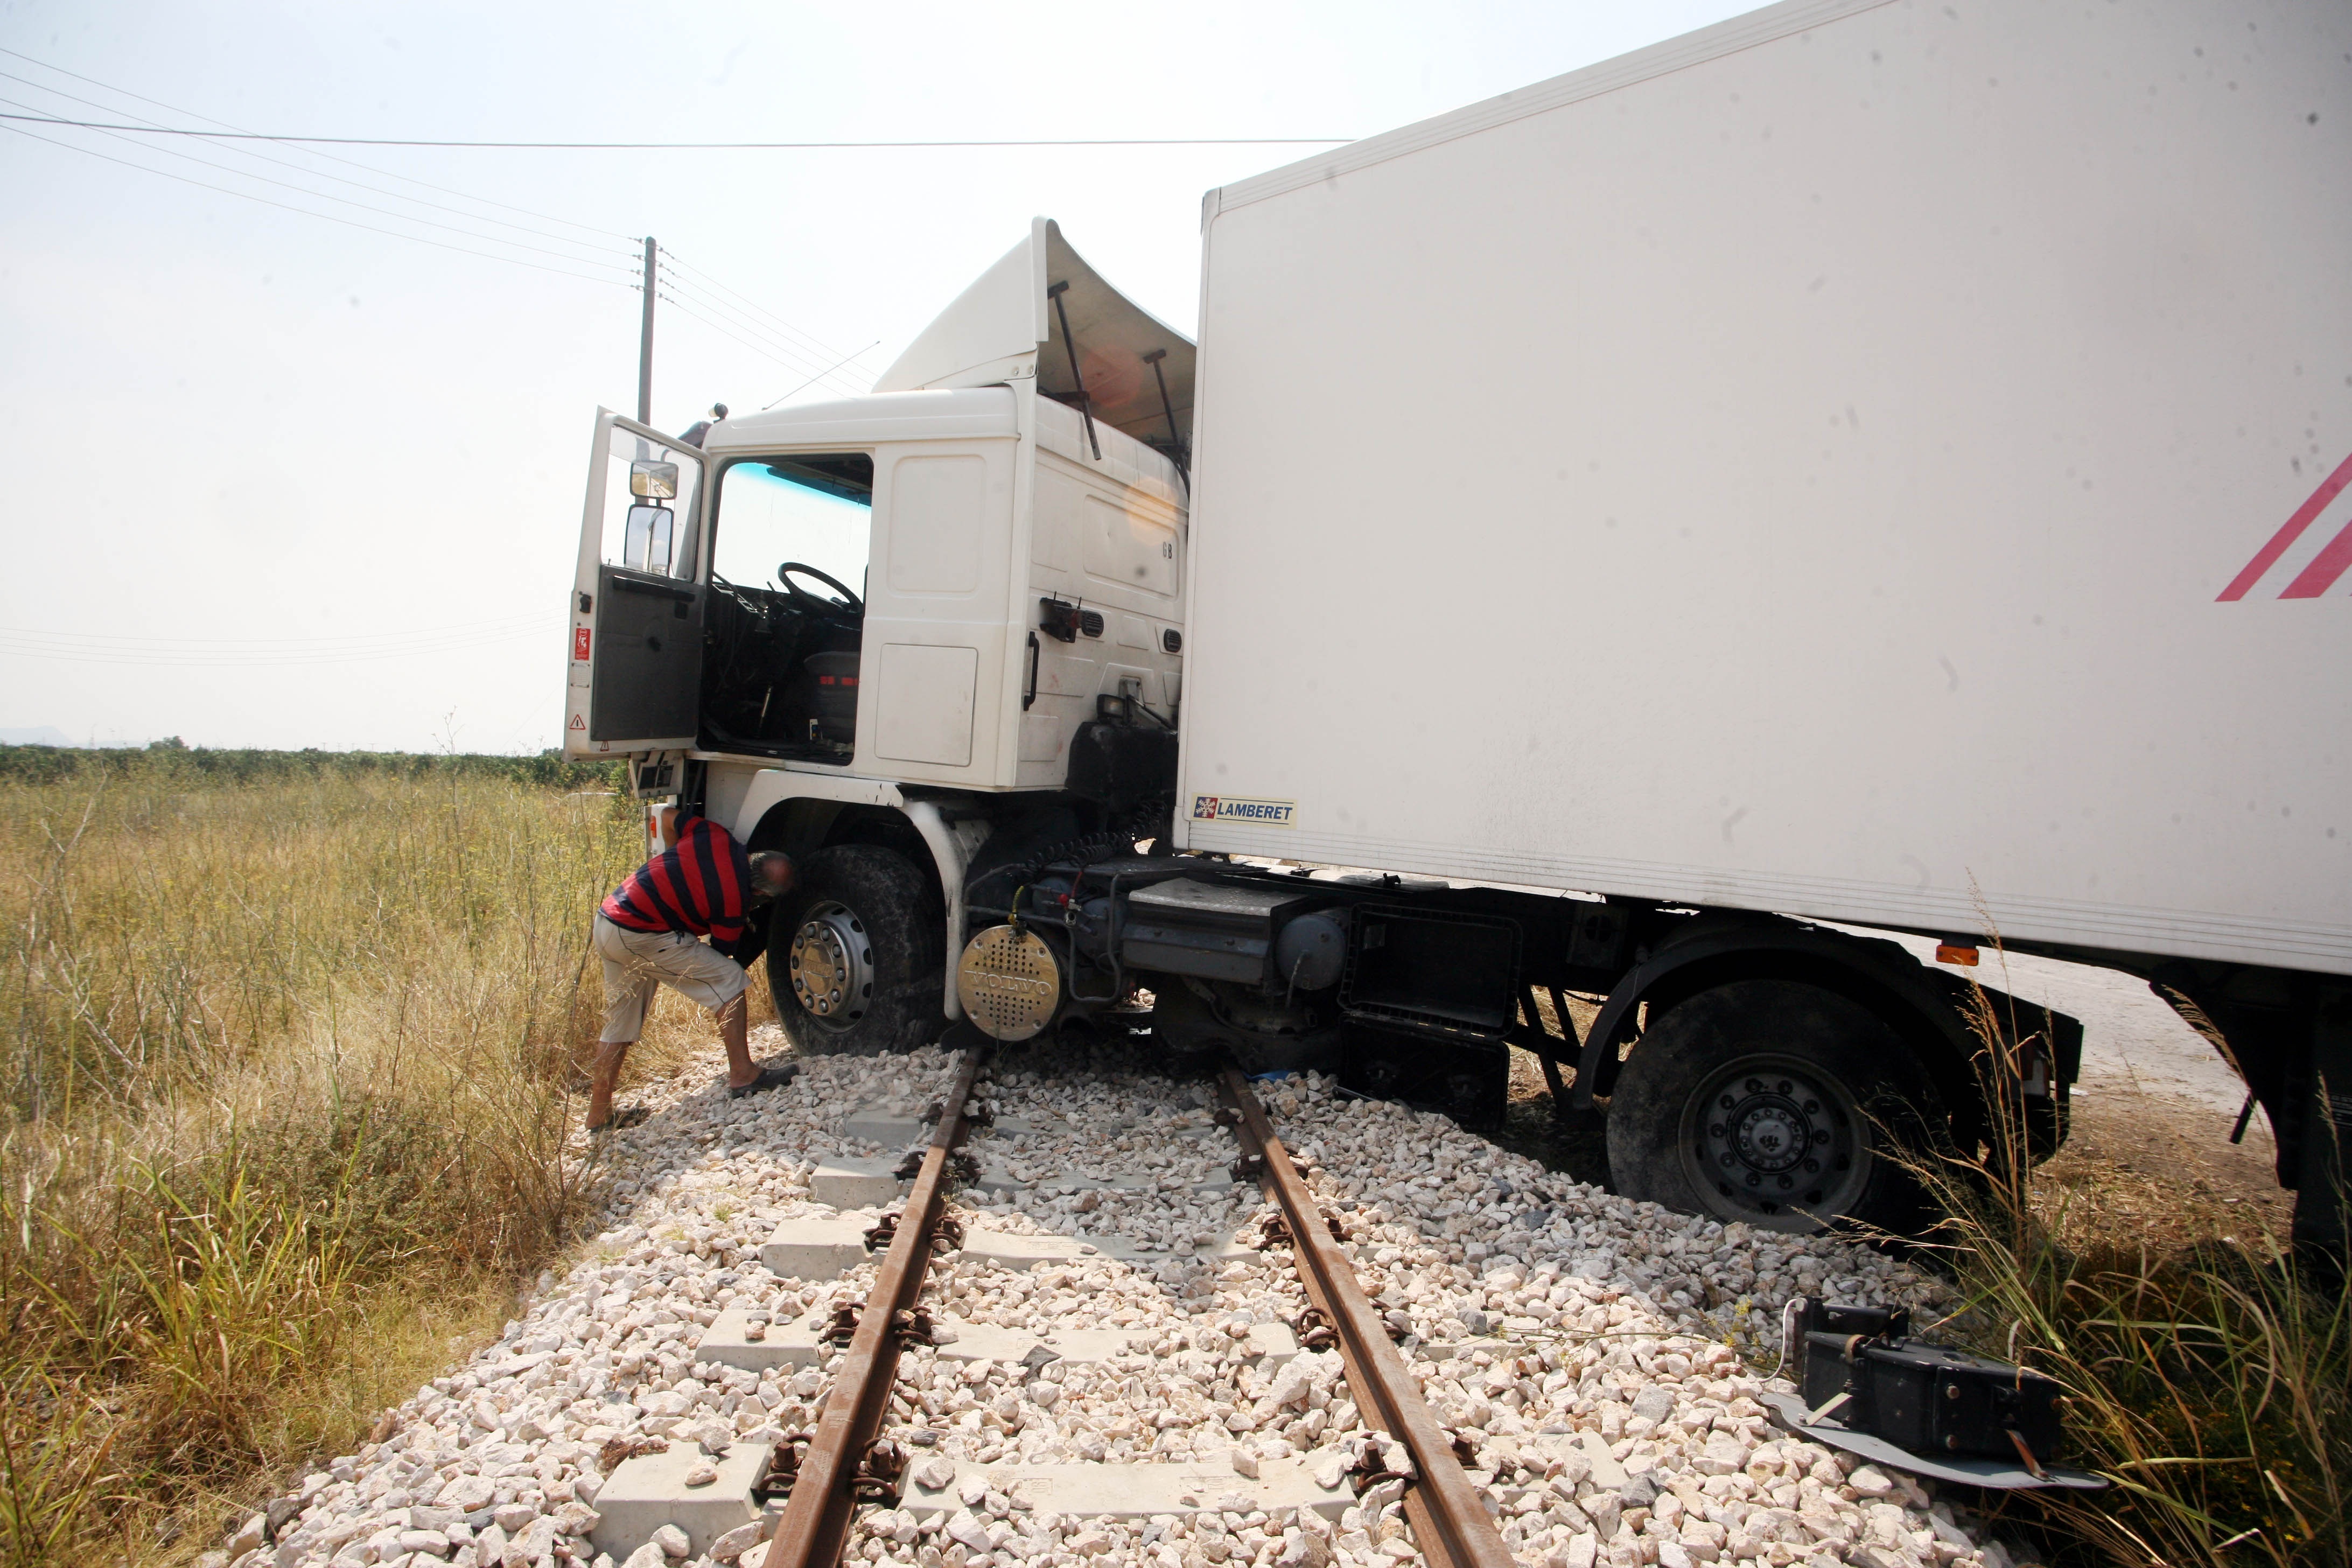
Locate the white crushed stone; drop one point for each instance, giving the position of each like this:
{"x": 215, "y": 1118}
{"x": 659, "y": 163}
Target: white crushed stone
{"x": 1536, "y": 1308}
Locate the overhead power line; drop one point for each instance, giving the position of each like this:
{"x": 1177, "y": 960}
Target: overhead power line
{"x": 234, "y": 171}
{"x": 668, "y": 299}
{"x": 745, "y": 327}
{"x": 594, "y": 246}
{"x": 748, "y": 323}
{"x": 331, "y": 157}
{"x": 697, "y": 146}
{"x": 742, "y": 317}
{"x": 729, "y": 312}
{"x": 815, "y": 345}
{"x": 812, "y": 381}
{"x": 743, "y": 331}
{"x": 329, "y": 217}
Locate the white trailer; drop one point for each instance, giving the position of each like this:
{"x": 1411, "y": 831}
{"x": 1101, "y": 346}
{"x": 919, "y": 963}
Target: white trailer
{"x": 1868, "y": 461}
{"x": 1808, "y": 457}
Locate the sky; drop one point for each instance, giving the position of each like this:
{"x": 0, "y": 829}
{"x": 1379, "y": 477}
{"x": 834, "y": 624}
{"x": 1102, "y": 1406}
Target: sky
{"x": 292, "y": 481}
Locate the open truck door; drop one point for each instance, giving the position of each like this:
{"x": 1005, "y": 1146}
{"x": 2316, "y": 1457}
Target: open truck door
{"x": 636, "y": 664}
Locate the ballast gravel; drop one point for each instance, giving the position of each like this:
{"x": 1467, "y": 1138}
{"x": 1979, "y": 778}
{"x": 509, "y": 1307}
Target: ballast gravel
{"x": 1600, "y": 1356}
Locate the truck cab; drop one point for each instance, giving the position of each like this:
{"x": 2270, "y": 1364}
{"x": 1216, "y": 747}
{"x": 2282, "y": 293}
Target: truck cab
{"x": 905, "y": 619}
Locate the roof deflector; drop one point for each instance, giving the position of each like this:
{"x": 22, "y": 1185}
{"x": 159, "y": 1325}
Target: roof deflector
{"x": 1005, "y": 326}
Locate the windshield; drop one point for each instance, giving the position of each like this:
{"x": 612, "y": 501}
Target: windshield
{"x": 814, "y": 510}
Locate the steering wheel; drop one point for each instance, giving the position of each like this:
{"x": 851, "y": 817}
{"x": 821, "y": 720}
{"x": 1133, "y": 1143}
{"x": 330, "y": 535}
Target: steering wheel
{"x": 842, "y": 602}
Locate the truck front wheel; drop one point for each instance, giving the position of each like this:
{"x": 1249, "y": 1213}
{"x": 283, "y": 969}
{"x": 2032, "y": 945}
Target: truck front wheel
{"x": 1781, "y": 1104}
{"x": 854, "y": 953}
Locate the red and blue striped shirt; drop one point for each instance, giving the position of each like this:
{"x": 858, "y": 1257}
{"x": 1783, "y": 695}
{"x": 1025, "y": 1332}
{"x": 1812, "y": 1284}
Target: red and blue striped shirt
{"x": 699, "y": 886}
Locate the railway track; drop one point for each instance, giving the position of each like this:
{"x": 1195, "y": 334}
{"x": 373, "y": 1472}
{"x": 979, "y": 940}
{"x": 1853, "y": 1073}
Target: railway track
{"x": 847, "y": 1462}
{"x": 1112, "y": 1373}
{"x": 1450, "y": 1523}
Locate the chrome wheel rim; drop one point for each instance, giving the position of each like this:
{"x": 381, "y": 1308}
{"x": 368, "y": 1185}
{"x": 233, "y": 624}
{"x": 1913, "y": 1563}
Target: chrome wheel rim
{"x": 1777, "y": 1142}
{"x": 832, "y": 965}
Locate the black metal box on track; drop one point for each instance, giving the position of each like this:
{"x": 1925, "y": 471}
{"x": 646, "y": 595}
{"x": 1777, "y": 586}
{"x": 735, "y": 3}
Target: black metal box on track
{"x": 1929, "y": 1399}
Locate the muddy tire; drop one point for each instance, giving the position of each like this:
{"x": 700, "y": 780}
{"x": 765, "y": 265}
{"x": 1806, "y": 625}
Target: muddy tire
{"x": 855, "y": 954}
{"x": 1782, "y": 1105}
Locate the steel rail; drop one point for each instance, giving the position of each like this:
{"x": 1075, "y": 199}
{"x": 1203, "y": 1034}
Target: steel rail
{"x": 824, "y": 1500}
{"x": 1449, "y": 1519}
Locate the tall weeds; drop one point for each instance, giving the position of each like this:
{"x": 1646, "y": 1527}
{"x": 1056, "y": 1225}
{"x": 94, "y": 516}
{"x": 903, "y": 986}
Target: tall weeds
{"x": 2212, "y": 1388}
{"x": 284, "y": 1062}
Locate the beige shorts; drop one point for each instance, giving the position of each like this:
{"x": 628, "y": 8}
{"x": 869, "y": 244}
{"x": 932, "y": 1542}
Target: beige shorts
{"x": 637, "y": 960}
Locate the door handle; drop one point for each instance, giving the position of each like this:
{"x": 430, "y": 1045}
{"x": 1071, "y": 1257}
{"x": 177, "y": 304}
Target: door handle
{"x": 658, "y": 590}
{"x": 1030, "y": 696}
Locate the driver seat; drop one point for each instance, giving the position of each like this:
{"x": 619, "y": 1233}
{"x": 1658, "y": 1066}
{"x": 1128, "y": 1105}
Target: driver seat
{"x": 832, "y": 695}
{"x": 821, "y": 690}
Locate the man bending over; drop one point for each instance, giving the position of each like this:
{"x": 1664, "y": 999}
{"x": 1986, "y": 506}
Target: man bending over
{"x": 647, "y": 931}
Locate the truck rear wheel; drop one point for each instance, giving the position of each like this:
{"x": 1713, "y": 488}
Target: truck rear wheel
{"x": 854, "y": 953}
{"x": 1779, "y": 1104}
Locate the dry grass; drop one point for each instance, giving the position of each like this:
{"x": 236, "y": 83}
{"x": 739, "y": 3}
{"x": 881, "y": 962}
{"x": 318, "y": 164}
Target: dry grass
{"x": 286, "y": 1072}
{"x": 2157, "y": 1172}
{"x": 2209, "y": 1374}
{"x": 2210, "y": 1382}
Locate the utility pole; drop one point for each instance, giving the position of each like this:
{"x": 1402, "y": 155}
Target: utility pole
{"x": 646, "y": 344}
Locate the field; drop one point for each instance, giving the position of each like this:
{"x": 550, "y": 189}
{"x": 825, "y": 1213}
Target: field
{"x": 288, "y": 1061}
{"x": 293, "y": 1059}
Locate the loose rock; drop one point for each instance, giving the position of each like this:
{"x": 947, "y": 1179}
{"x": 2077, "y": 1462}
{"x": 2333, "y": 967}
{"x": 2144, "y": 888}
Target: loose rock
{"x": 1540, "y": 1315}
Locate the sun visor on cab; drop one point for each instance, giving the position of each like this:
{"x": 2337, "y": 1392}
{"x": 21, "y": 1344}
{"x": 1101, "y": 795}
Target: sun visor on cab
{"x": 1010, "y": 324}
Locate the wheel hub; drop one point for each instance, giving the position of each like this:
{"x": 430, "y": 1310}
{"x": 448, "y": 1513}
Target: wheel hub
{"x": 832, "y": 965}
{"x": 1773, "y": 1142}
{"x": 1771, "y": 1135}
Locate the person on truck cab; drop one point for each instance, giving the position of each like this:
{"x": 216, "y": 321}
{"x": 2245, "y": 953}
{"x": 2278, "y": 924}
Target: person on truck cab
{"x": 648, "y": 931}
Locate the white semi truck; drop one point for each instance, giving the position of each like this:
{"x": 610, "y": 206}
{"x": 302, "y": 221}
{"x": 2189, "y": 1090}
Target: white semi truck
{"x": 1867, "y": 462}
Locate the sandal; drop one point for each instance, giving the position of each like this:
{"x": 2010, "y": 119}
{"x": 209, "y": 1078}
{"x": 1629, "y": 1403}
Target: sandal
{"x": 633, "y": 1116}
{"x": 773, "y": 1075}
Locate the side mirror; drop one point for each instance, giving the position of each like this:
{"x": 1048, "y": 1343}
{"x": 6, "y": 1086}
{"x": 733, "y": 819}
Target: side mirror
{"x": 653, "y": 480}
{"x": 647, "y": 544}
